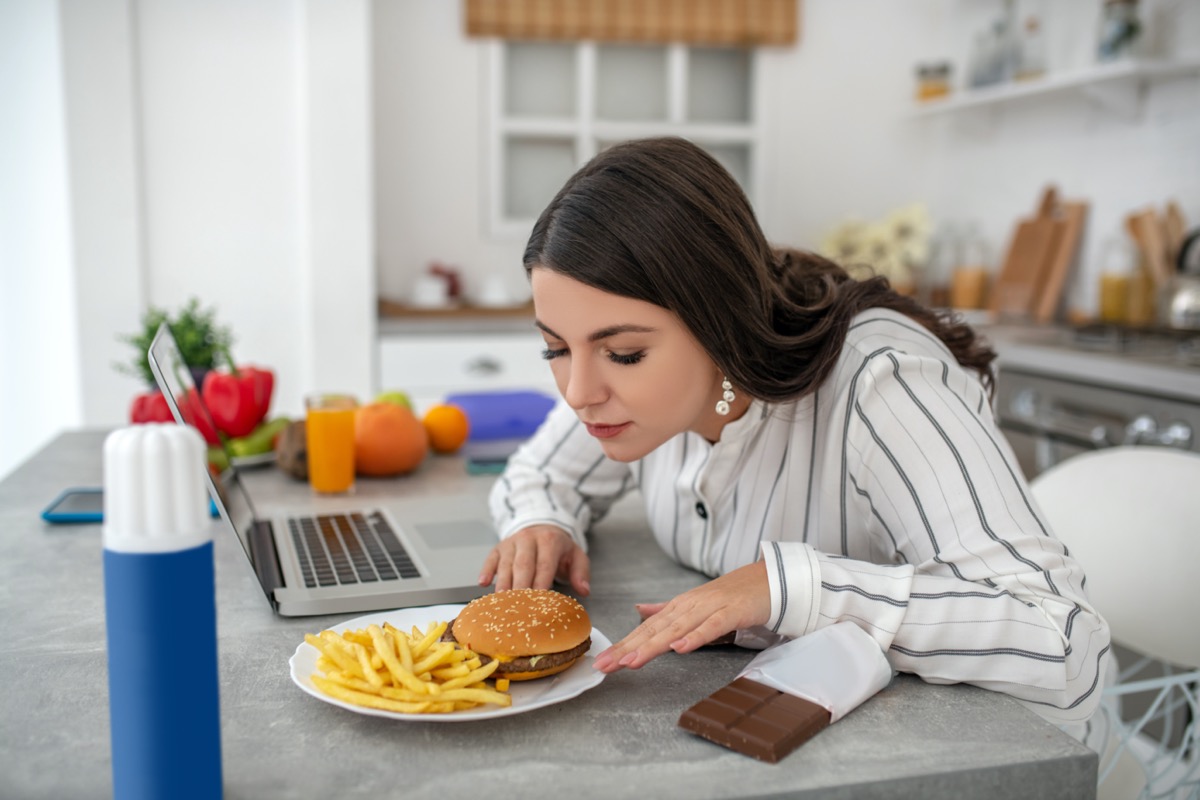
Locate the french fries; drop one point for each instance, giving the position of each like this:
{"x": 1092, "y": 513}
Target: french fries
{"x": 410, "y": 673}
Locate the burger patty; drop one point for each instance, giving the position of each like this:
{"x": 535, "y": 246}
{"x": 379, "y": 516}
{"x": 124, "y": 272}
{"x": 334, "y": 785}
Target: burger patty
{"x": 529, "y": 663}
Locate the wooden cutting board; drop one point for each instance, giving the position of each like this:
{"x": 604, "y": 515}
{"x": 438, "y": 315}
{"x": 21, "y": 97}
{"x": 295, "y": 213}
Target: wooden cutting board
{"x": 1175, "y": 230}
{"x": 1071, "y": 217}
{"x": 1020, "y": 275}
{"x": 1147, "y": 231}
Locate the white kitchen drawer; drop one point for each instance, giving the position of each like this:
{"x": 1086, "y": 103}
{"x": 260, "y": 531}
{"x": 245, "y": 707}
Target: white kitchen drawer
{"x": 429, "y": 367}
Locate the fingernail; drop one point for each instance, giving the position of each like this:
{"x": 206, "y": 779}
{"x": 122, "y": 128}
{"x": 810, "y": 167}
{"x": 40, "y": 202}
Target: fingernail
{"x": 628, "y": 659}
{"x": 484, "y": 579}
{"x": 678, "y": 643}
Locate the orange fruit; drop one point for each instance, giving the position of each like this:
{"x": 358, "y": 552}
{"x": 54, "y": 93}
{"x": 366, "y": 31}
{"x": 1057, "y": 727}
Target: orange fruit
{"x": 447, "y": 426}
{"x": 388, "y": 440}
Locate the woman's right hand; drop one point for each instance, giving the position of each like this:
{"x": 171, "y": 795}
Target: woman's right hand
{"x": 533, "y": 557}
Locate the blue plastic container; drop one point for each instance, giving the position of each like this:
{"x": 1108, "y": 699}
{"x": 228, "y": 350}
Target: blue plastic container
{"x": 162, "y": 674}
{"x": 160, "y": 615}
{"x": 503, "y": 415}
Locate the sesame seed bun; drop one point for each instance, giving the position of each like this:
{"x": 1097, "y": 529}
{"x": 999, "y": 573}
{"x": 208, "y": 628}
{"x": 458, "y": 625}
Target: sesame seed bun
{"x": 531, "y": 632}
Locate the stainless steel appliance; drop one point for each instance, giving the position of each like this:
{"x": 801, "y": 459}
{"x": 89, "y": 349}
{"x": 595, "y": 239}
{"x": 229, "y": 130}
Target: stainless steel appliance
{"x": 1065, "y": 391}
{"x": 1181, "y": 301}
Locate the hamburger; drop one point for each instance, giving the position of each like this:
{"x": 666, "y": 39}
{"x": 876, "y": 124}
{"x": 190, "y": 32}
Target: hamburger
{"x": 531, "y": 632}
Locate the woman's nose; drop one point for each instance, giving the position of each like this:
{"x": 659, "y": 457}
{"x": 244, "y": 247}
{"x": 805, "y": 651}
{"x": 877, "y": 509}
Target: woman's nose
{"x": 583, "y": 386}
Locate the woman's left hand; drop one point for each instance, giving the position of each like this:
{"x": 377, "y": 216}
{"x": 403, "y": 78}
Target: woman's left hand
{"x": 738, "y": 599}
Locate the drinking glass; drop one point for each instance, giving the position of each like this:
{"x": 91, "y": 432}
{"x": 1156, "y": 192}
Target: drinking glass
{"x": 329, "y": 426}
{"x": 1118, "y": 268}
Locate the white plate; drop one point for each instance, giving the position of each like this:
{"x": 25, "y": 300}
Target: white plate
{"x": 526, "y": 695}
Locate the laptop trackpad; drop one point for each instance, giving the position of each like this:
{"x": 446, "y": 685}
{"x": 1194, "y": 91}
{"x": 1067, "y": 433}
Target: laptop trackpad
{"x": 460, "y": 533}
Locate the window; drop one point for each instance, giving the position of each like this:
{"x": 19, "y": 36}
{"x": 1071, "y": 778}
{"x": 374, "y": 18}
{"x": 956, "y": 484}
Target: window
{"x": 554, "y": 105}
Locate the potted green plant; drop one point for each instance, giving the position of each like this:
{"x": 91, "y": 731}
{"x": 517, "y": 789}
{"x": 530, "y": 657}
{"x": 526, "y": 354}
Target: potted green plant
{"x": 195, "y": 329}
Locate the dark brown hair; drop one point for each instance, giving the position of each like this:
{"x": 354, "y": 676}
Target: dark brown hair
{"x": 660, "y": 220}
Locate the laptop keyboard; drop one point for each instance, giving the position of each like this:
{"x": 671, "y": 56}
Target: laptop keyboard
{"x": 338, "y": 549}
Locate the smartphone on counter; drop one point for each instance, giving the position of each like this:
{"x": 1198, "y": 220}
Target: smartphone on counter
{"x": 76, "y": 505}
{"x": 86, "y": 504}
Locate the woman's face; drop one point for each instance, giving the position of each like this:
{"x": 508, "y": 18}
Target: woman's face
{"x": 633, "y": 373}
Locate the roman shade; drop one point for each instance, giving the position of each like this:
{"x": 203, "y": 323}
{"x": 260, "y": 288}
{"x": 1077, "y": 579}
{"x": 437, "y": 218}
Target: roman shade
{"x": 702, "y": 22}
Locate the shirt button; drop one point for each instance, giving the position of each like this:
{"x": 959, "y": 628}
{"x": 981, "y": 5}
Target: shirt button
{"x": 701, "y": 510}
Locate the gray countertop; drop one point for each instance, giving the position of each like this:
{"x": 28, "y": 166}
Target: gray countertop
{"x": 912, "y": 740}
{"x": 1055, "y": 351}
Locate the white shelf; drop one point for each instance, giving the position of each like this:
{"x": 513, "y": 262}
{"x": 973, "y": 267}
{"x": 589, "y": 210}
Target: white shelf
{"x": 1100, "y": 77}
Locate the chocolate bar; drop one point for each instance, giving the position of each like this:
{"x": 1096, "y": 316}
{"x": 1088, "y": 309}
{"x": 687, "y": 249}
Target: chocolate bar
{"x": 755, "y": 720}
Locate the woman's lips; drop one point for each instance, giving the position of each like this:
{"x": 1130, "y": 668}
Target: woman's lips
{"x": 606, "y": 431}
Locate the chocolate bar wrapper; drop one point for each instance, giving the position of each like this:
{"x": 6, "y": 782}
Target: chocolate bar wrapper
{"x": 837, "y": 667}
{"x": 790, "y": 692}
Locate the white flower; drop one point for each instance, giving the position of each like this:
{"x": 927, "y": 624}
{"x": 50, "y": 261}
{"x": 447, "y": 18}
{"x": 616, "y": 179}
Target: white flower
{"x": 844, "y": 244}
{"x": 882, "y": 252}
{"x": 909, "y": 229}
{"x": 896, "y": 247}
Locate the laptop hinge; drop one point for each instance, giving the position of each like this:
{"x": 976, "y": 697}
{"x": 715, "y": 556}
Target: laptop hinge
{"x": 265, "y": 558}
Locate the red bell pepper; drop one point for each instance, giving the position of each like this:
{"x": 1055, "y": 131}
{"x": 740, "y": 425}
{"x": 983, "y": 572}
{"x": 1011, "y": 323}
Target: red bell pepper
{"x": 238, "y": 400}
{"x": 264, "y": 387}
{"x": 195, "y": 414}
{"x": 150, "y": 407}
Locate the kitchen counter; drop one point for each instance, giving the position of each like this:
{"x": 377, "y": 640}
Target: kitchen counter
{"x": 1058, "y": 352}
{"x": 398, "y": 319}
{"x": 912, "y": 740}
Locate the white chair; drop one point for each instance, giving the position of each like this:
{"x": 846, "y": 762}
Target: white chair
{"x": 1131, "y": 516}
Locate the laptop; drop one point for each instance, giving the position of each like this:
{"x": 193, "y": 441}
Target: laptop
{"x": 335, "y": 555}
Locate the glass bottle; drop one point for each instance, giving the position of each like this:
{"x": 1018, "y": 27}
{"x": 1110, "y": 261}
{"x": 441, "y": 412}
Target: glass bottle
{"x": 1031, "y": 63}
{"x": 933, "y": 80}
{"x": 1120, "y": 30}
{"x": 971, "y": 282}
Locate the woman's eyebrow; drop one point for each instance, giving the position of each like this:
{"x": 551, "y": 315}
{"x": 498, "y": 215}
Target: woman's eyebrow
{"x": 603, "y": 333}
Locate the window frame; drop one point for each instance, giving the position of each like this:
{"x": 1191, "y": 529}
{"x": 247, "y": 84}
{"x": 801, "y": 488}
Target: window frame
{"x": 585, "y": 130}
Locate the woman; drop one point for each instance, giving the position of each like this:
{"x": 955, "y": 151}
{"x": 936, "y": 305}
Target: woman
{"x": 823, "y": 448}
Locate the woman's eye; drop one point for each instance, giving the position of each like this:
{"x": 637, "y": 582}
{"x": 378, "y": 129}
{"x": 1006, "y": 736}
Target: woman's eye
{"x": 551, "y": 353}
{"x": 627, "y": 359}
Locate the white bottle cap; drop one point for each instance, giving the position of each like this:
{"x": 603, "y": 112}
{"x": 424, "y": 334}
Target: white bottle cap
{"x": 155, "y": 496}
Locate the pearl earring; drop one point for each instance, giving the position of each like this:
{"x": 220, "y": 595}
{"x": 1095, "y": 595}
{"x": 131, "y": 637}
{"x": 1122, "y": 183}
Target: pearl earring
{"x": 726, "y": 397}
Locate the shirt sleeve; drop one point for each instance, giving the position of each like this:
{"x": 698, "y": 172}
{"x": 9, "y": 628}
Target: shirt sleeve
{"x": 979, "y": 590}
{"x": 559, "y": 477}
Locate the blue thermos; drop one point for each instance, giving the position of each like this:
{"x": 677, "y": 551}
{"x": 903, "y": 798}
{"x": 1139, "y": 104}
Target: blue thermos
{"x": 160, "y": 613}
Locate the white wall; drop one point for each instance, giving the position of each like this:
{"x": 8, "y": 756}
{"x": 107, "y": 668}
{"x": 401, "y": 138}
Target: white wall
{"x": 174, "y": 149}
{"x": 257, "y": 151}
{"x": 337, "y": 203}
{"x": 991, "y": 163}
{"x": 281, "y": 160}
{"x": 39, "y": 334}
{"x": 102, "y": 148}
{"x": 430, "y": 147}
{"x": 841, "y": 137}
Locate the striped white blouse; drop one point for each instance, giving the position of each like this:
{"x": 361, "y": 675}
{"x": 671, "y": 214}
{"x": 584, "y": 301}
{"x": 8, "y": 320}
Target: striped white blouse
{"x": 887, "y": 498}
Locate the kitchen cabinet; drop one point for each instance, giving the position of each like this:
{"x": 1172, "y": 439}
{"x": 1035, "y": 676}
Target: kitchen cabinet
{"x": 552, "y": 106}
{"x": 429, "y": 365}
{"x": 1118, "y": 86}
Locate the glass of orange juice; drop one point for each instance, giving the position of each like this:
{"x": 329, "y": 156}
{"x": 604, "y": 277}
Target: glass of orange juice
{"x": 329, "y": 426}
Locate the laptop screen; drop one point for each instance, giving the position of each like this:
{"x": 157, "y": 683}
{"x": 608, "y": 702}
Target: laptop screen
{"x": 175, "y": 380}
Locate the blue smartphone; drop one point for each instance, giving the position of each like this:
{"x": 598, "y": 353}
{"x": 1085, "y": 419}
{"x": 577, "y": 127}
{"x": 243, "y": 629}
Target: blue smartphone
{"x": 76, "y": 505}
{"x": 81, "y": 504}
